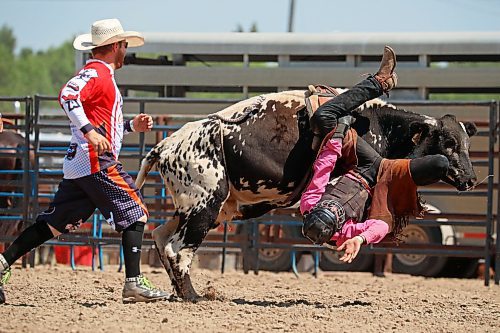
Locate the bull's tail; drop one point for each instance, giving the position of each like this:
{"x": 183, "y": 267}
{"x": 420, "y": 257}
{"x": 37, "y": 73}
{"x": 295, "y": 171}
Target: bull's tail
{"x": 146, "y": 165}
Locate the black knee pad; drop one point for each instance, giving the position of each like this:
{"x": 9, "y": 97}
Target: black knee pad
{"x": 321, "y": 223}
{"x": 323, "y": 122}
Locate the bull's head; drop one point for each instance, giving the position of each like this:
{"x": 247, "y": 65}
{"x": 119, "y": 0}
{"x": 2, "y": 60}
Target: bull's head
{"x": 448, "y": 137}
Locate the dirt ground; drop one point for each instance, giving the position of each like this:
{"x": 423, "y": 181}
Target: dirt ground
{"x": 55, "y": 299}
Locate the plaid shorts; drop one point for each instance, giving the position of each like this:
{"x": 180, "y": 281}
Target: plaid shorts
{"x": 111, "y": 190}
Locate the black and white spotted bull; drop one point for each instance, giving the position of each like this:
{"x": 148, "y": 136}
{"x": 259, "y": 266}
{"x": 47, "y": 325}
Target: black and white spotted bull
{"x": 255, "y": 155}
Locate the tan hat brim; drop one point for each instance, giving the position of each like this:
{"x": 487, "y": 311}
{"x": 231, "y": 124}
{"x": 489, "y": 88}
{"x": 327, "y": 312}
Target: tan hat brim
{"x": 84, "y": 42}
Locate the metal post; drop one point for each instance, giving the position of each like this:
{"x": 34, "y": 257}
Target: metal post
{"x": 223, "y": 265}
{"x": 27, "y": 166}
{"x": 316, "y": 263}
{"x": 294, "y": 262}
{"x": 122, "y": 260}
{"x": 99, "y": 244}
{"x": 290, "y": 16}
{"x": 497, "y": 247}
{"x": 36, "y": 166}
{"x": 255, "y": 244}
{"x": 246, "y": 64}
{"x": 94, "y": 236}
{"x": 26, "y": 173}
{"x": 72, "y": 257}
{"x": 142, "y": 136}
{"x": 489, "y": 213}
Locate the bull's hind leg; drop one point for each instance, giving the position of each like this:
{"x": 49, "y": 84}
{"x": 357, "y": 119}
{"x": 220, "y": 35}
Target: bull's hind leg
{"x": 180, "y": 249}
{"x": 193, "y": 169}
{"x": 168, "y": 244}
{"x": 177, "y": 249}
{"x": 162, "y": 235}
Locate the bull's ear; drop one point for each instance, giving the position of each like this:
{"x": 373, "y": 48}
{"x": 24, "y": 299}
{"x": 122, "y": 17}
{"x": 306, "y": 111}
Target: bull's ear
{"x": 418, "y": 131}
{"x": 451, "y": 116}
{"x": 470, "y": 128}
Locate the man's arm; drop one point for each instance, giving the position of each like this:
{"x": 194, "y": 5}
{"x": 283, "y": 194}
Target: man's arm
{"x": 140, "y": 123}
{"x": 71, "y": 103}
{"x": 368, "y": 232}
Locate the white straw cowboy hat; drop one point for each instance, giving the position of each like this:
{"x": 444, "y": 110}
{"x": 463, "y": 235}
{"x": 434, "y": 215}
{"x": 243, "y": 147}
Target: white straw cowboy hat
{"x": 105, "y": 32}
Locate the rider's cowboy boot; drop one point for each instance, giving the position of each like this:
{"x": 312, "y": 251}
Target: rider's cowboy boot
{"x": 386, "y": 75}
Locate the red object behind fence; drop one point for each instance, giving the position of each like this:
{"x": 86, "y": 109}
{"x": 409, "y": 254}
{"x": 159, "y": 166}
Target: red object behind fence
{"x": 83, "y": 255}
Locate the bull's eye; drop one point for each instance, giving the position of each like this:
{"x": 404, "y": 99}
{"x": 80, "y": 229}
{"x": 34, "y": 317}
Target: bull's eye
{"x": 450, "y": 143}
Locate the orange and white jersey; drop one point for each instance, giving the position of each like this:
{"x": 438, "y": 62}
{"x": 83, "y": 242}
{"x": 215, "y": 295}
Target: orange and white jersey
{"x": 91, "y": 100}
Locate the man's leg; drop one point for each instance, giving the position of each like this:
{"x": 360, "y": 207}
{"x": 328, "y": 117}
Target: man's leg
{"x": 368, "y": 161}
{"x": 120, "y": 202}
{"x": 132, "y": 248}
{"x": 428, "y": 169}
{"x": 69, "y": 208}
{"x": 29, "y": 239}
{"x": 325, "y": 118}
{"x": 137, "y": 287}
{"x": 32, "y": 237}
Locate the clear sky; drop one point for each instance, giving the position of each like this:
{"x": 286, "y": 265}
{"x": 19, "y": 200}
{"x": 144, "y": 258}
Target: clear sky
{"x": 39, "y": 24}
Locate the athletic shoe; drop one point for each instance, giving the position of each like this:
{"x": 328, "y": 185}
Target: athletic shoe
{"x": 140, "y": 289}
{"x": 4, "y": 278}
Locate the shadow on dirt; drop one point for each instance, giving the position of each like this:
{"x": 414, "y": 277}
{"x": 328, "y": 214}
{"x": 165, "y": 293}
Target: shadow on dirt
{"x": 282, "y": 304}
{"x": 294, "y": 302}
{"x": 92, "y": 304}
{"x": 22, "y": 305}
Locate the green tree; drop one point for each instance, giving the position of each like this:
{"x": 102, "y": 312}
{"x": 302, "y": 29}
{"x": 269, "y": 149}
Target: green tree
{"x": 60, "y": 62}
{"x": 7, "y": 38}
{"x": 30, "y": 73}
{"x": 253, "y": 28}
{"x": 7, "y": 75}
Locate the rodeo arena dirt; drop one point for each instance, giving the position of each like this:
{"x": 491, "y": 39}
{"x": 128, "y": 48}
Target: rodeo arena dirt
{"x": 222, "y": 193}
{"x": 52, "y": 299}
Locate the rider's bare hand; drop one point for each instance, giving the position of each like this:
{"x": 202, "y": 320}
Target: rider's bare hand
{"x": 351, "y": 247}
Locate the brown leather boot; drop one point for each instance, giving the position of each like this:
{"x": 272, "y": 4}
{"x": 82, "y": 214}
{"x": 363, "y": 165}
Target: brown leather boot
{"x": 386, "y": 75}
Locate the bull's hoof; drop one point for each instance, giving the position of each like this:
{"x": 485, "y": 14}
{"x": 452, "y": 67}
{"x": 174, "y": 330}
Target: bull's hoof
{"x": 175, "y": 298}
{"x": 195, "y": 298}
{"x": 2, "y": 296}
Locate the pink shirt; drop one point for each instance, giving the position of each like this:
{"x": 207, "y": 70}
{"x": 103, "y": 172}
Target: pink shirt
{"x": 372, "y": 230}
{"x": 322, "y": 167}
